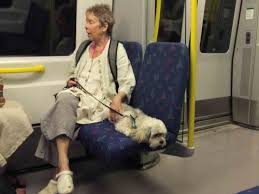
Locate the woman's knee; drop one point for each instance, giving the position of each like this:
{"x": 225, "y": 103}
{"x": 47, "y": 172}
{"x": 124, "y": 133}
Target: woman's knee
{"x": 63, "y": 138}
{"x": 67, "y": 98}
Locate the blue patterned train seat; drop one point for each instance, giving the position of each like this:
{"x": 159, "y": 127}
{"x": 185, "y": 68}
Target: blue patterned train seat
{"x": 159, "y": 92}
{"x": 134, "y": 52}
{"x": 162, "y": 82}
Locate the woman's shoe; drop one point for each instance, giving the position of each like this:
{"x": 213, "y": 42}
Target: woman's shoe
{"x": 65, "y": 182}
{"x": 51, "y": 188}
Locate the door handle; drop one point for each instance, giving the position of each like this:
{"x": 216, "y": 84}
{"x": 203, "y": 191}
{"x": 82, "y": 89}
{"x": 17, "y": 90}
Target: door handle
{"x": 36, "y": 68}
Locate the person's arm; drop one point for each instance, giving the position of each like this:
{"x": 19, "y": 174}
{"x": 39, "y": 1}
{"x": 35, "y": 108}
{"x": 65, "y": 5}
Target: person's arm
{"x": 72, "y": 76}
{"x": 126, "y": 80}
{"x": 116, "y": 104}
{"x": 71, "y": 82}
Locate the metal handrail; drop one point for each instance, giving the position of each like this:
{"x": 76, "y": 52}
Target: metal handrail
{"x": 192, "y": 83}
{"x": 36, "y": 68}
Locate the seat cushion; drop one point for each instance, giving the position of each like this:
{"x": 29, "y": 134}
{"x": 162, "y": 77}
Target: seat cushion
{"x": 102, "y": 140}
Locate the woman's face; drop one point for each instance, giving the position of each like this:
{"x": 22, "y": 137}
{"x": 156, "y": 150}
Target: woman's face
{"x": 93, "y": 27}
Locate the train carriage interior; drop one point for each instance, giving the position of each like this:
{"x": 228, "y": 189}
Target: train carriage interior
{"x": 196, "y": 66}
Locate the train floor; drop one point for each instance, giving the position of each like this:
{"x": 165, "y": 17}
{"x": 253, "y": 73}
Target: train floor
{"x": 225, "y": 161}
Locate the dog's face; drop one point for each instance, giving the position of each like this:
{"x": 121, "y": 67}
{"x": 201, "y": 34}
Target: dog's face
{"x": 149, "y": 130}
{"x": 158, "y": 135}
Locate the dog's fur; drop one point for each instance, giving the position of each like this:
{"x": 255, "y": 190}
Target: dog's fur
{"x": 149, "y": 130}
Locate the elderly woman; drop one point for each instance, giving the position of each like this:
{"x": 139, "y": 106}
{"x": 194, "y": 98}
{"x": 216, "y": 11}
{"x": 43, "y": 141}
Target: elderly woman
{"x": 75, "y": 107}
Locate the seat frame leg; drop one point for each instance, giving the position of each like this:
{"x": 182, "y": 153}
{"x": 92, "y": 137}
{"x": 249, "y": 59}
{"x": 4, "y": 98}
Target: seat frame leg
{"x": 148, "y": 160}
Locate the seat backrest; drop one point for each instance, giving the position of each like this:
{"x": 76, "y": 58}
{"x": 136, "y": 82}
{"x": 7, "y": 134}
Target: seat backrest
{"x": 134, "y": 51}
{"x": 162, "y": 82}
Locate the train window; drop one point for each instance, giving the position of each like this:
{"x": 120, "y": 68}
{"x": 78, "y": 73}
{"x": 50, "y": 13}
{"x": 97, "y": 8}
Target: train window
{"x": 5, "y": 3}
{"x": 217, "y": 26}
{"x": 171, "y": 19}
{"x": 38, "y": 28}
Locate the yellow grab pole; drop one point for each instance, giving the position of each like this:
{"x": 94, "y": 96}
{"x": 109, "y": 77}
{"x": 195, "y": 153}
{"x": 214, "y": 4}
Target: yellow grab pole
{"x": 192, "y": 84}
{"x": 37, "y": 68}
{"x": 158, "y": 14}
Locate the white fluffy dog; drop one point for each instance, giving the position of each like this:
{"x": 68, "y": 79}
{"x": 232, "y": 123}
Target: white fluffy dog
{"x": 148, "y": 130}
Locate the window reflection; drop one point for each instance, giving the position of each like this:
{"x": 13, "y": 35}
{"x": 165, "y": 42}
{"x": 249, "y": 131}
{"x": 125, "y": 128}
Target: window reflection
{"x": 5, "y": 3}
{"x": 217, "y": 26}
{"x": 171, "y": 19}
{"x": 65, "y": 21}
{"x": 38, "y": 28}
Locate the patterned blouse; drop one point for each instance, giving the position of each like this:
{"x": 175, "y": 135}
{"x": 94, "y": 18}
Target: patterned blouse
{"x": 96, "y": 77}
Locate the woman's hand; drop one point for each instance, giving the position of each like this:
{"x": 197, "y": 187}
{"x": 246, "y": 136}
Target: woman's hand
{"x": 71, "y": 83}
{"x": 117, "y": 105}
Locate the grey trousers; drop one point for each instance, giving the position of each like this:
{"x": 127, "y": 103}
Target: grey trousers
{"x": 60, "y": 120}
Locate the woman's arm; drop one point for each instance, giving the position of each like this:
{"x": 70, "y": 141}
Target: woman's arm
{"x": 117, "y": 105}
{"x": 72, "y": 76}
{"x": 126, "y": 80}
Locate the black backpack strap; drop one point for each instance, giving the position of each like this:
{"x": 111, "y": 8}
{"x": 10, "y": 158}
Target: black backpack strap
{"x": 81, "y": 50}
{"x": 112, "y": 57}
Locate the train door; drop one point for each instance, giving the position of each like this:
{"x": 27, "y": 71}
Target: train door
{"x": 42, "y": 32}
{"x": 217, "y": 26}
{"x": 245, "y": 93}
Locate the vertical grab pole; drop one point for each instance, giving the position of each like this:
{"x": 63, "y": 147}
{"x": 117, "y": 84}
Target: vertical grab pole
{"x": 192, "y": 84}
{"x": 157, "y": 21}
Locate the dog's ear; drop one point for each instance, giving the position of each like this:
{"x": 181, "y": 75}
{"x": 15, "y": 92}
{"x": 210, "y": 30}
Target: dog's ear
{"x": 158, "y": 128}
{"x": 161, "y": 127}
{"x": 140, "y": 136}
